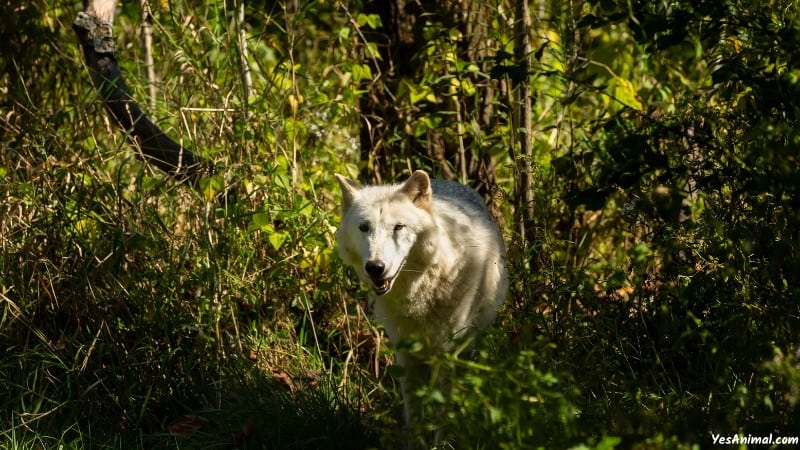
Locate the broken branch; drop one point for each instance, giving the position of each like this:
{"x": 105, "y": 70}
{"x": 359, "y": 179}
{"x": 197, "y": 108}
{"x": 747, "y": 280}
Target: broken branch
{"x": 94, "y": 30}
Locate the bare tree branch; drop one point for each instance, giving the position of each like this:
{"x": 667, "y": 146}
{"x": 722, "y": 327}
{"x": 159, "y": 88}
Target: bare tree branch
{"x": 247, "y": 78}
{"x": 147, "y": 37}
{"x": 94, "y": 30}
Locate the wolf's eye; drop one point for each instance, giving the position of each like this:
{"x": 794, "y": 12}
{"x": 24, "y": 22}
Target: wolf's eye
{"x": 399, "y": 227}
{"x": 364, "y": 227}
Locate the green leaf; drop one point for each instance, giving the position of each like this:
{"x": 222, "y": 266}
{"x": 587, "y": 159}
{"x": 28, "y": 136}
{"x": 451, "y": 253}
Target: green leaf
{"x": 495, "y": 414}
{"x": 370, "y": 20}
{"x": 361, "y": 72}
{"x": 641, "y": 252}
{"x": 436, "y": 396}
{"x": 467, "y": 87}
{"x": 624, "y": 92}
{"x": 276, "y": 239}
{"x": 417, "y": 95}
{"x": 616, "y": 281}
{"x": 259, "y": 221}
{"x": 211, "y": 186}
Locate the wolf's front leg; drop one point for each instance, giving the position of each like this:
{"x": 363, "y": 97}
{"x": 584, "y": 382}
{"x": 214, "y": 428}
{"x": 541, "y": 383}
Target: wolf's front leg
{"x": 415, "y": 374}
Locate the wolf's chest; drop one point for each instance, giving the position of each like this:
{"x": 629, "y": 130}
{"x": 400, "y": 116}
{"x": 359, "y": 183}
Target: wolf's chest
{"x": 427, "y": 305}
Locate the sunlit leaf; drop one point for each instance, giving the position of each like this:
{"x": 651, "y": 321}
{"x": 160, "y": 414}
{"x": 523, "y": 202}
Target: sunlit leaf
{"x": 625, "y": 93}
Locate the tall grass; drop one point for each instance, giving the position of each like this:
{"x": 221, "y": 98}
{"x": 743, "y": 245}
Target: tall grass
{"x": 138, "y": 313}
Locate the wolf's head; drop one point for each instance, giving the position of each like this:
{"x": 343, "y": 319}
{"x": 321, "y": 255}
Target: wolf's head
{"x": 381, "y": 227}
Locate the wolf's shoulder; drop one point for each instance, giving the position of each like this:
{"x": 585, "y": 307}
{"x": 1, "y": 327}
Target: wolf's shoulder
{"x": 460, "y": 196}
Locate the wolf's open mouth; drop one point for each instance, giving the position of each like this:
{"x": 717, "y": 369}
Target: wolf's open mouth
{"x": 382, "y": 285}
{"x": 383, "y": 280}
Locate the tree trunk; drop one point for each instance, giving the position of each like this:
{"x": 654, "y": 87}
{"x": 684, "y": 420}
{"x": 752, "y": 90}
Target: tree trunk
{"x": 386, "y": 138}
{"x": 523, "y": 123}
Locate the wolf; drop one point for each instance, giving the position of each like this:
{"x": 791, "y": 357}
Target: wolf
{"x": 435, "y": 264}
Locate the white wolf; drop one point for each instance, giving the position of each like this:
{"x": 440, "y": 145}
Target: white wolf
{"x": 434, "y": 260}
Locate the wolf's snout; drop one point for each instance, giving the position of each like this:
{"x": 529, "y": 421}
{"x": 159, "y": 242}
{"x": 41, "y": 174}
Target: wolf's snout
{"x": 375, "y": 269}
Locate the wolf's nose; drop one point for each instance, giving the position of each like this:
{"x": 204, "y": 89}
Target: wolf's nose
{"x": 375, "y": 268}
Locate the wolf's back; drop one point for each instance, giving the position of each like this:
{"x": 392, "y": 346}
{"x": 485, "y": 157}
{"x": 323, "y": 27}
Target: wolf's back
{"x": 462, "y": 196}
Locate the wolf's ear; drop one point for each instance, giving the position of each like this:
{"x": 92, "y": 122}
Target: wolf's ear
{"x": 418, "y": 189}
{"x": 349, "y": 191}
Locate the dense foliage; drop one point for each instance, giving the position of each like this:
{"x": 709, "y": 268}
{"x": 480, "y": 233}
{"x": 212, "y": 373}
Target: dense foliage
{"x": 653, "y": 304}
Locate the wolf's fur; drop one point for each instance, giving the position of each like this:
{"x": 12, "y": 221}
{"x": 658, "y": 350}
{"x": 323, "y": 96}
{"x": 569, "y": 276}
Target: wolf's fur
{"x": 433, "y": 258}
